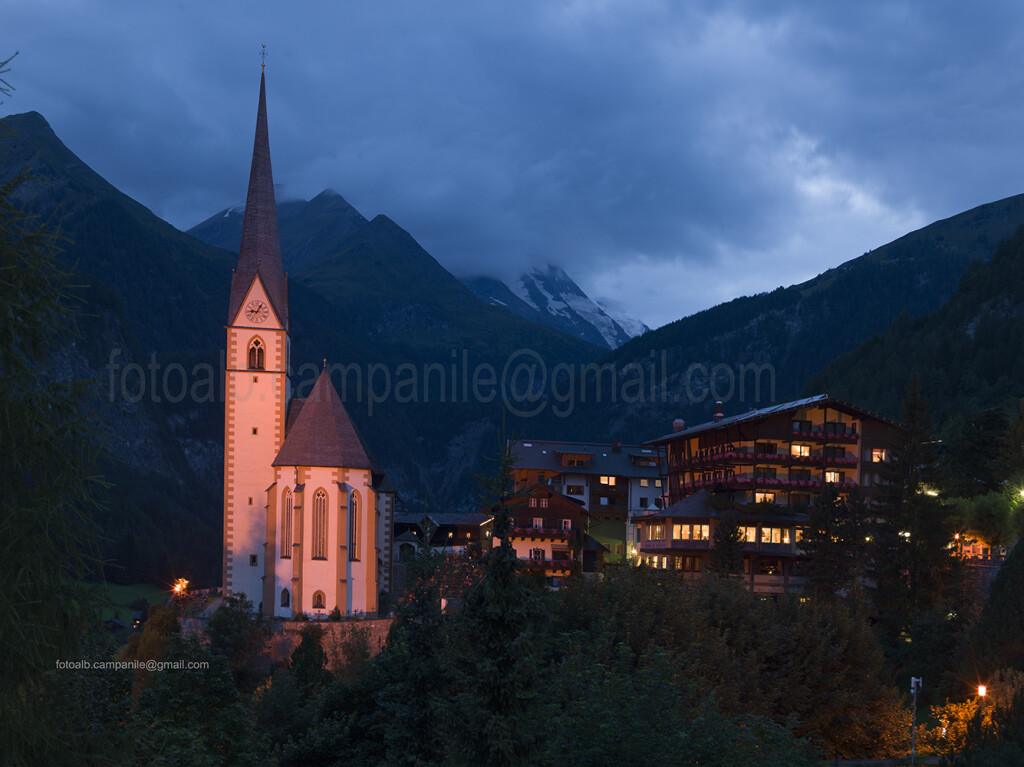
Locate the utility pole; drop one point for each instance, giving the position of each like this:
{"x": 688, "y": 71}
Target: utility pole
{"x": 915, "y": 685}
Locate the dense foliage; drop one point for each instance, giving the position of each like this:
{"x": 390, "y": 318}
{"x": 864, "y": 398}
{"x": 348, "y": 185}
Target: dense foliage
{"x": 48, "y": 455}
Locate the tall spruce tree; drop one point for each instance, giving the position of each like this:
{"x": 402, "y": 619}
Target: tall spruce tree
{"x": 1011, "y": 451}
{"x": 913, "y": 568}
{"x": 48, "y": 454}
{"x": 725, "y": 557}
{"x": 834, "y": 543}
{"x": 495, "y": 718}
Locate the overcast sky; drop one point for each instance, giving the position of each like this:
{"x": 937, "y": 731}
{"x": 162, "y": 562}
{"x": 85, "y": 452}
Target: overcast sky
{"x": 668, "y": 155}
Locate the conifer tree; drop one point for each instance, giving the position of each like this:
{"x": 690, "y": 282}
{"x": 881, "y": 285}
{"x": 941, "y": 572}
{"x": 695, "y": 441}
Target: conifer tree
{"x": 495, "y": 717}
{"x": 48, "y": 455}
{"x": 913, "y": 567}
{"x": 834, "y": 541}
{"x": 309, "y": 661}
{"x": 726, "y": 554}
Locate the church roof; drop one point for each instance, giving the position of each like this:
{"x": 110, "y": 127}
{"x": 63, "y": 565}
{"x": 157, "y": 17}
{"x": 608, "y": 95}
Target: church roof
{"x": 260, "y": 251}
{"x": 322, "y": 433}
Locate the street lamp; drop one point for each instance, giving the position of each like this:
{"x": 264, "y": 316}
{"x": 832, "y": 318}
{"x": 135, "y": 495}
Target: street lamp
{"x": 982, "y": 691}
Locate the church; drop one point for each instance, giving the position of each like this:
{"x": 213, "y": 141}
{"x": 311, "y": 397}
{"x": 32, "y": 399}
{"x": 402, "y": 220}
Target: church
{"x": 307, "y": 516}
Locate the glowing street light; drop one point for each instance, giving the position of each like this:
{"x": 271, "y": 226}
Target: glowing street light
{"x": 982, "y": 691}
{"x": 180, "y": 585}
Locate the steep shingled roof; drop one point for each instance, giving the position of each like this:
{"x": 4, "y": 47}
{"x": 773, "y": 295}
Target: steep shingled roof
{"x": 322, "y": 433}
{"x": 260, "y": 250}
{"x": 822, "y": 400}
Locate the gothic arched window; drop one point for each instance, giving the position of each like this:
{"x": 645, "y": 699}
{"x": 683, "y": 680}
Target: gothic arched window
{"x": 256, "y": 354}
{"x": 286, "y": 598}
{"x": 286, "y": 525}
{"x": 319, "y": 600}
{"x": 353, "y": 527}
{"x": 320, "y": 525}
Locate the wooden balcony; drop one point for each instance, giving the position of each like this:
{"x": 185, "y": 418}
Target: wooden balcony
{"x": 552, "y": 565}
{"x": 668, "y": 545}
{"x": 541, "y": 533}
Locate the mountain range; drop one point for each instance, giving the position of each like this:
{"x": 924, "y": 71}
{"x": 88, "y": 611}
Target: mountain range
{"x": 755, "y": 350}
{"x": 328, "y": 224}
{"x": 364, "y": 294}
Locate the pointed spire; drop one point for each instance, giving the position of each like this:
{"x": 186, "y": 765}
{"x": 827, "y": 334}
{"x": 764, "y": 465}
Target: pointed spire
{"x": 260, "y": 251}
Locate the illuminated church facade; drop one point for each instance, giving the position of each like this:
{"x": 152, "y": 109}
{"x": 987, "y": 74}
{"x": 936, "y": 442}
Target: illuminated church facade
{"x": 307, "y": 518}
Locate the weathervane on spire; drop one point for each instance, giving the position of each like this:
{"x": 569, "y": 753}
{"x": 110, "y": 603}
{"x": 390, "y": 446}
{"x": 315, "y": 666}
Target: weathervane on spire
{"x": 263, "y": 57}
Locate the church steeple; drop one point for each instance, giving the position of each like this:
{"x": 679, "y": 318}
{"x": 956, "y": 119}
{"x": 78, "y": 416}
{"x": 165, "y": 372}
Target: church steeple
{"x": 260, "y": 251}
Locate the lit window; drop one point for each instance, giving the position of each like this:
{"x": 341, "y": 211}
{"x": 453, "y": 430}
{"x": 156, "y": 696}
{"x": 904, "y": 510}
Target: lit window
{"x": 701, "y": 532}
{"x": 749, "y": 534}
{"x": 833, "y": 476}
{"x": 536, "y": 553}
{"x": 774, "y": 535}
{"x": 538, "y": 523}
{"x": 533, "y": 503}
{"x": 543, "y": 503}
{"x": 657, "y": 483}
{"x": 256, "y": 354}
{"x": 644, "y": 482}
{"x": 320, "y": 525}
{"x": 802, "y": 451}
{"x": 608, "y": 480}
{"x": 567, "y": 524}
{"x": 878, "y": 455}
{"x": 319, "y": 600}
{"x": 764, "y": 497}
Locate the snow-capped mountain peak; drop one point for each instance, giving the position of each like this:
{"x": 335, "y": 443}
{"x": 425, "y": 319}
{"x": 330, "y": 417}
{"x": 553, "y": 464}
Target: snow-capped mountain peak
{"x": 550, "y": 296}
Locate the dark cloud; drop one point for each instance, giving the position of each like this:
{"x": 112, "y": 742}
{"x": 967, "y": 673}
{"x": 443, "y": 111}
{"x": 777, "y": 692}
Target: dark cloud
{"x": 667, "y": 155}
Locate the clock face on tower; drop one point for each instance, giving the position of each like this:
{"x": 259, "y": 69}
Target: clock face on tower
{"x": 256, "y": 310}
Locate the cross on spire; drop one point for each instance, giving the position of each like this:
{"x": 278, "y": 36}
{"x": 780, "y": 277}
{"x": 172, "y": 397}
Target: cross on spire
{"x": 263, "y": 57}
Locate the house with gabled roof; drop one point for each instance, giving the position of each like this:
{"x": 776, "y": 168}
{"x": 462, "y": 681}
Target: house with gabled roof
{"x": 549, "y": 533}
{"x": 613, "y": 482}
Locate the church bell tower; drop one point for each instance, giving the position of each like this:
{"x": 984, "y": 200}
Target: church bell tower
{"x": 256, "y": 376}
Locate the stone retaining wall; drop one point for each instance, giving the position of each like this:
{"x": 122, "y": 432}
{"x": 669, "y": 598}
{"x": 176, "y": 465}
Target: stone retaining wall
{"x": 284, "y": 636}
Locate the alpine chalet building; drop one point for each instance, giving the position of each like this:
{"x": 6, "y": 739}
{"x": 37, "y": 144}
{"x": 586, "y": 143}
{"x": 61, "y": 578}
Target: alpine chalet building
{"x": 767, "y": 465}
{"x": 612, "y": 482}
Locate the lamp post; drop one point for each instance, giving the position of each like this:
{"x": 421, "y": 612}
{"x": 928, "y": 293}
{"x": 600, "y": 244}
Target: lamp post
{"x": 982, "y": 692}
{"x": 915, "y": 685}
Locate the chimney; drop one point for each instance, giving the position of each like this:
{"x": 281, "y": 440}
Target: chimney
{"x": 678, "y": 425}
{"x": 719, "y": 413}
